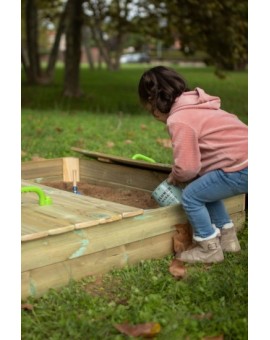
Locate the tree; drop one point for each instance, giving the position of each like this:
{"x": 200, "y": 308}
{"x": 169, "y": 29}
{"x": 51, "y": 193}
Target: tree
{"x": 219, "y": 28}
{"x": 31, "y": 62}
{"x": 34, "y": 14}
{"x": 110, "y": 23}
{"x": 73, "y": 48}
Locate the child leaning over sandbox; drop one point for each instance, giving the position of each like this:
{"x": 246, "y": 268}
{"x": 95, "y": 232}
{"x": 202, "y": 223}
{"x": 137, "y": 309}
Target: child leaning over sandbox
{"x": 210, "y": 151}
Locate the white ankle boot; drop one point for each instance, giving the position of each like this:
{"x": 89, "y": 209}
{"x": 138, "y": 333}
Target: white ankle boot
{"x": 207, "y": 250}
{"x": 228, "y": 239}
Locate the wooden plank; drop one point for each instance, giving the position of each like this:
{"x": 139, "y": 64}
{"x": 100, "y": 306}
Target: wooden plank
{"x": 95, "y": 172}
{"x": 47, "y": 168}
{"x": 235, "y": 203}
{"x": 239, "y": 220}
{"x": 97, "y": 238}
{"x": 68, "y": 211}
{"x": 86, "y": 202}
{"x": 123, "y": 160}
{"x": 38, "y": 221}
{"x": 37, "y": 281}
{"x": 71, "y": 169}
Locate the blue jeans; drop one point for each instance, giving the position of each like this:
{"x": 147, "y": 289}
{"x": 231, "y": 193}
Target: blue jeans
{"x": 202, "y": 199}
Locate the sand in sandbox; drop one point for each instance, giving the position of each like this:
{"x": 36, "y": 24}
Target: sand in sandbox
{"x": 132, "y": 197}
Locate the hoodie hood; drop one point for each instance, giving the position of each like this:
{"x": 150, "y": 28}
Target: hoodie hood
{"x": 197, "y": 99}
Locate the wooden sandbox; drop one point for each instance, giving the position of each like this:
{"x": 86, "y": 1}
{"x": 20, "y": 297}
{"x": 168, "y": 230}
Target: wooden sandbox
{"x": 79, "y": 235}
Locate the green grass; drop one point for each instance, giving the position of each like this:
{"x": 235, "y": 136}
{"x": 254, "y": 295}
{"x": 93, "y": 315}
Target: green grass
{"x": 109, "y": 112}
{"x": 51, "y": 134}
{"x": 210, "y": 300}
{"x": 114, "y": 92}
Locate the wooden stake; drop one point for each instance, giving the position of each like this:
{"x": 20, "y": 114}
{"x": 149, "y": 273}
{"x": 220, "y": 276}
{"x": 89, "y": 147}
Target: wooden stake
{"x": 75, "y": 188}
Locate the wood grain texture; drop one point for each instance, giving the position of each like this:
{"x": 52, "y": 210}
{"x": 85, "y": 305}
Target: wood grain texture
{"x": 80, "y": 235}
{"x": 67, "y": 212}
{"x": 37, "y": 281}
{"x": 123, "y": 160}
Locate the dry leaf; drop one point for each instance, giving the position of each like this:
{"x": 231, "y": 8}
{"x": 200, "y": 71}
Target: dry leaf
{"x": 27, "y": 306}
{"x": 146, "y": 330}
{"x": 182, "y": 239}
{"x": 59, "y": 129}
{"x": 143, "y": 127}
{"x": 203, "y": 316}
{"x": 166, "y": 143}
{"x": 110, "y": 144}
{"x": 128, "y": 141}
{"x": 177, "y": 269}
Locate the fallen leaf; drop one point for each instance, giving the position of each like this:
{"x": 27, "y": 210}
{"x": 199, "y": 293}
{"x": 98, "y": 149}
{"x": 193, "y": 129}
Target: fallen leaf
{"x": 59, "y": 129}
{"x": 110, "y": 144}
{"x": 143, "y": 127}
{"x": 217, "y": 337}
{"x": 203, "y": 316}
{"x": 166, "y": 143}
{"x": 128, "y": 141}
{"x": 177, "y": 269}
{"x": 27, "y": 306}
{"x": 146, "y": 330}
{"x": 182, "y": 239}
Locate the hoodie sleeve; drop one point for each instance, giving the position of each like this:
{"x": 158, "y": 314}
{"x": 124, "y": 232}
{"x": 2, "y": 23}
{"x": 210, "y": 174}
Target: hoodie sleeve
{"x": 186, "y": 153}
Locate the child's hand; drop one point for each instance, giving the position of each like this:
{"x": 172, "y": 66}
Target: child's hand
{"x": 173, "y": 181}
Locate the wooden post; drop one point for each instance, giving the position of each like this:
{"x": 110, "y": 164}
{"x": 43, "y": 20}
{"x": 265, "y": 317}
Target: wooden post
{"x": 71, "y": 171}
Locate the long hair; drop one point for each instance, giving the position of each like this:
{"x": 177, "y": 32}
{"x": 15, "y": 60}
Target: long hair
{"x": 159, "y": 87}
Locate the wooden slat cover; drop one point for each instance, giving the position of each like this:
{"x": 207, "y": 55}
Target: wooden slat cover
{"x": 124, "y": 160}
{"x": 68, "y": 212}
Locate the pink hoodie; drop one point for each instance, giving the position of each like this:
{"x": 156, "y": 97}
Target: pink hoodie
{"x": 204, "y": 137}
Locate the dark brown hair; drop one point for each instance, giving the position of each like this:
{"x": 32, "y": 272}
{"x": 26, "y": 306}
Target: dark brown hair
{"x": 159, "y": 86}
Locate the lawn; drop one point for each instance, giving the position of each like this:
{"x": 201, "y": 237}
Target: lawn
{"x": 210, "y": 300}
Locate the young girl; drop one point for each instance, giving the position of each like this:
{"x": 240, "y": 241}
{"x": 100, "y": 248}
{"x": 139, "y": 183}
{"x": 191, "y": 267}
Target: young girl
{"x": 210, "y": 151}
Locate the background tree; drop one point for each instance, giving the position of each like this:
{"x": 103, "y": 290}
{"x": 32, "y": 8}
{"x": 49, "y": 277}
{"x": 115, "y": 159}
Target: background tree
{"x": 73, "y": 48}
{"x": 31, "y": 61}
{"x": 219, "y": 28}
{"x": 37, "y": 17}
{"x": 110, "y": 24}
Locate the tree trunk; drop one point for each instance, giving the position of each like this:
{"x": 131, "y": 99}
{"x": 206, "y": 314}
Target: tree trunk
{"x": 34, "y": 71}
{"x": 55, "y": 48}
{"x": 73, "y": 49}
{"x": 86, "y": 37}
{"x": 25, "y": 62}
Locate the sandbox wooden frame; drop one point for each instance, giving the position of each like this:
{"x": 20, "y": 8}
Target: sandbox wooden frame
{"x": 51, "y": 260}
